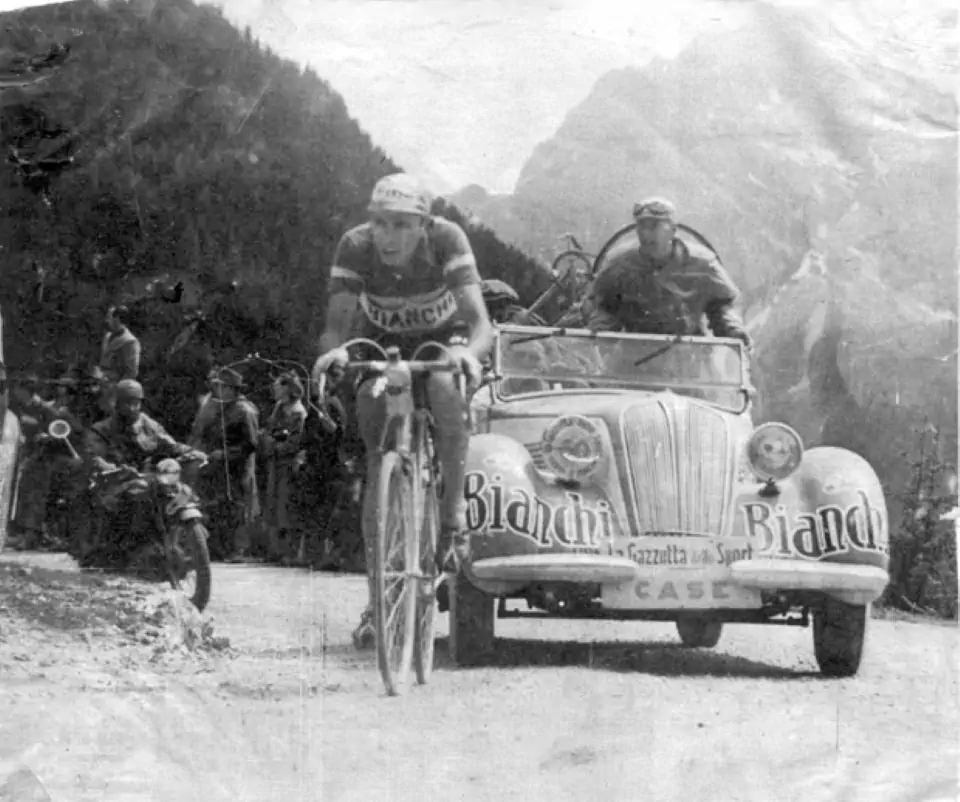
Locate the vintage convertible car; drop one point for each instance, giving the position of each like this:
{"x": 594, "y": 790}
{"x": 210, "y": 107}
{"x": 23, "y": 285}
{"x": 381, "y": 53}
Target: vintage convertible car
{"x": 621, "y": 476}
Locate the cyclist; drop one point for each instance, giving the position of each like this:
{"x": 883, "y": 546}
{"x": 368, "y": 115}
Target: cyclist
{"x": 402, "y": 278}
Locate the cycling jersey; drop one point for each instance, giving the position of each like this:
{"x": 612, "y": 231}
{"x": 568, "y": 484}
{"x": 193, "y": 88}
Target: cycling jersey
{"x": 406, "y": 306}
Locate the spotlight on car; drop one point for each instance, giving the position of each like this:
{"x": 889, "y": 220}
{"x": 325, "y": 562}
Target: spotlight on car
{"x": 774, "y": 451}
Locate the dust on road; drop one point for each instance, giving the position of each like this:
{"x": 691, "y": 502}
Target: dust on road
{"x": 128, "y": 697}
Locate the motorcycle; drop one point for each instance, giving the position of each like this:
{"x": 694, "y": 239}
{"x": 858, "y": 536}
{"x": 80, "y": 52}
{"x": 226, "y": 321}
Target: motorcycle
{"x": 174, "y": 520}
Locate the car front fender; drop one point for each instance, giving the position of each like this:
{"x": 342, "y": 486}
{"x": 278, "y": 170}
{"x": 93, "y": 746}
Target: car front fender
{"x": 830, "y": 513}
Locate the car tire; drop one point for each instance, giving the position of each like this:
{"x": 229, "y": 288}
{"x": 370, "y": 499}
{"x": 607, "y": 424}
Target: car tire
{"x": 699, "y": 633}
{"x": 472, "y": 623}
{"x": 839, "y": 634}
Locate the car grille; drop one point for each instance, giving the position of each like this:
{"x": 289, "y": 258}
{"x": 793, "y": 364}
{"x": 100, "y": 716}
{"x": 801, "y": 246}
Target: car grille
{"x": 680, "y": 467}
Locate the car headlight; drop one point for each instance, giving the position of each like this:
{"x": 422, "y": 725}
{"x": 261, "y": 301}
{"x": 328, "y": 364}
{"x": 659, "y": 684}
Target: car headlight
{"x": 774, "y": 451}
{"x": 573, "y": 448}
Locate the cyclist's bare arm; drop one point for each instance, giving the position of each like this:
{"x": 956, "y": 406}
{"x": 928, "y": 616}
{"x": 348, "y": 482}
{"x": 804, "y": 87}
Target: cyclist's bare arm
{"x": 473, "y": 312}
{"x": 342, "y": 320}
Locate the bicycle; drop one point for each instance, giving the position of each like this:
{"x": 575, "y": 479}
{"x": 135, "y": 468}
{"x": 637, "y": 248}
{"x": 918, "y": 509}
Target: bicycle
{"x": 405, "y": 571}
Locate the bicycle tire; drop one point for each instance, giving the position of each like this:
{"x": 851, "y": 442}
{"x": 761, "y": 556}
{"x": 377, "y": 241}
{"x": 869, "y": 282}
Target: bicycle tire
{"x": 427, "y": 508}
{"x": 394, "y": 647}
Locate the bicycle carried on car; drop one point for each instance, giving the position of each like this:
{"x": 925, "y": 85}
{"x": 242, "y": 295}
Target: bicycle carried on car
{"x": 407, "y": 488}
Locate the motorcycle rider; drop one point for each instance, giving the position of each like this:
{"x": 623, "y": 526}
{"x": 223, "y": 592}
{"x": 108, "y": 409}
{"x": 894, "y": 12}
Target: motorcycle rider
{"x": 666, "y": 286}
{"x": 127, "y": 439}
{"x": 403, "y": 278}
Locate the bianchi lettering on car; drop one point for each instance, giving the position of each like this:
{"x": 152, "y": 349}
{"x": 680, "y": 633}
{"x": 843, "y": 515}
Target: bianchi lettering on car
{"x": 576, "y": 522}
{"x": 830, "y": 529}
{"x": 412, "y": 313}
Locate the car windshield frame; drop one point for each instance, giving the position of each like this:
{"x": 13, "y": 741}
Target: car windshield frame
{"x": 508, "y": 334}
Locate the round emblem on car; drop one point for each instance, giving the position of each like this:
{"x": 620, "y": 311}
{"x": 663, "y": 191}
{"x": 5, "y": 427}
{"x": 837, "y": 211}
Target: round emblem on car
{"x": 572, "y": 447}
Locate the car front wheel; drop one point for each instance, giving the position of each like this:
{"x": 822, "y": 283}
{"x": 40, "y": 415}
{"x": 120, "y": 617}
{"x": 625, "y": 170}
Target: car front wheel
{"x": 697, "y": 633}
{"x": 839, "y": 632}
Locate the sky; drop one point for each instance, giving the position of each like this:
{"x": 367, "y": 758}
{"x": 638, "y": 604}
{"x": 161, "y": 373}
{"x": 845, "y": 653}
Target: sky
{"x": 462, "y": 91}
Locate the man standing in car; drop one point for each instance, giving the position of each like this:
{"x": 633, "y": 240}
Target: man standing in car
{"x": 666, "y": 286}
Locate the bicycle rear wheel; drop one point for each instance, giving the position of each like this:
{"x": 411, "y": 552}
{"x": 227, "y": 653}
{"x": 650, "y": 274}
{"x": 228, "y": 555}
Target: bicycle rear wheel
{"x": 426, "y": 495}
{"x": 395, "y": 561}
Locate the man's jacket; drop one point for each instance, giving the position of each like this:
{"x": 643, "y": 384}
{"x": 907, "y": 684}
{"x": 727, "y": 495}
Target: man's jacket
{"x": 120, "y": 355}
{"x": 633, "y": 293}
{"x": 234, "y": 425}
{"x": 110, "y": 443}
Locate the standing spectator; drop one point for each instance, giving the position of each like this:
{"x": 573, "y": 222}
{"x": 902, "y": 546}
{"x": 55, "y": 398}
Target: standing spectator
{"x": 119, "y": 352}
{"x": 279, "y": 444}
{"x": 329, "y": 483}
{"x": 227, "y": 429}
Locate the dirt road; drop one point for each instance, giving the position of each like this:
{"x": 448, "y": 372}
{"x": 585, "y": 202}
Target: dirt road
{"x": 96, "y": 704}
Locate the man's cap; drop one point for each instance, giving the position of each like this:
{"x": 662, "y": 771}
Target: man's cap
{"x": 228, "y": 377}
{"x": 129, "y": 389}
{"x": 399, "y": 192}
{"x": 655, "y": 209}
{"x": 494, "y": 290}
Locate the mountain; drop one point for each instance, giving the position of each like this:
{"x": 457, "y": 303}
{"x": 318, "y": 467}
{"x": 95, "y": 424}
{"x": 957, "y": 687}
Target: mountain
{"x": 818, "y": 152}
{"x": 191, "y": 155}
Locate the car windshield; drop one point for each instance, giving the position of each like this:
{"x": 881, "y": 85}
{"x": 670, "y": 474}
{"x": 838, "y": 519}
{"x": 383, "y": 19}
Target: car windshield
{"x": 538, "y": 360}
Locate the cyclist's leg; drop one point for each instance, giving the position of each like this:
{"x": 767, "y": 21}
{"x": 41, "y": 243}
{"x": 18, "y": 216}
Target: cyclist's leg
{"x": 453, "y": 439}
{"x": 370, "y": 412}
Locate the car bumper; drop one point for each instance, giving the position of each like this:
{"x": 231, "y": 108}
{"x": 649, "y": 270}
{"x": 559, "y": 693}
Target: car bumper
{"x": 534, "y": 568}
{"x": 854, "y": 584}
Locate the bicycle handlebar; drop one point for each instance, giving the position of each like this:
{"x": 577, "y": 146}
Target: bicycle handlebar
{"x": 413, "y": 365}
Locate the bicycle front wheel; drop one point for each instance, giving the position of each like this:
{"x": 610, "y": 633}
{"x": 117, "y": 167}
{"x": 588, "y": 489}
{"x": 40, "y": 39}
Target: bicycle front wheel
{"x": 395, "y": 569}
{"x": 425, "y": 489}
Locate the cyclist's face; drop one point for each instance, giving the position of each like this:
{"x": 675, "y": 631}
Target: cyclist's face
{"x": 396, "y": 236}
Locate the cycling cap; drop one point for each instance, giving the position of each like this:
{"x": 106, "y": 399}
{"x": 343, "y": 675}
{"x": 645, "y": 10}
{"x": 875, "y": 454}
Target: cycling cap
{"x": 399, "y": 193}
{"x": 655, "y": 209}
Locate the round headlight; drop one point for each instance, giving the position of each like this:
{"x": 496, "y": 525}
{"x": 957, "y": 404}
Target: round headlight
{"x": 774, "y": 451}
{"x": 573, "y": 448}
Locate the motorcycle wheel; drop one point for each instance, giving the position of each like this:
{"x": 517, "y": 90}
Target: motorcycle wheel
{"x": 194, "y": 544}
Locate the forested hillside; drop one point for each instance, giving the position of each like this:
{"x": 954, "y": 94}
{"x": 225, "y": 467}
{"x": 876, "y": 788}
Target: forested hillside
{"x": 198, "y": 157}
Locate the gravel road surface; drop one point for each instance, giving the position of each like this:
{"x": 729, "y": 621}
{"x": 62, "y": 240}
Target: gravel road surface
{"x": 112, "y": 689}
